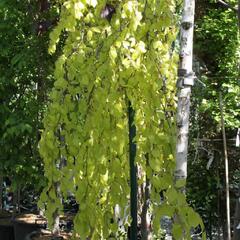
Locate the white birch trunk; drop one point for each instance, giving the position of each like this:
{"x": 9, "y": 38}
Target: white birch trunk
{"x": 185, "y": 83}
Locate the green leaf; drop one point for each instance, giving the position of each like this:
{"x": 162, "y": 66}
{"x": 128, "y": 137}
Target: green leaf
{"x": 177, "y": 231}
{"x": 180, "y": 183}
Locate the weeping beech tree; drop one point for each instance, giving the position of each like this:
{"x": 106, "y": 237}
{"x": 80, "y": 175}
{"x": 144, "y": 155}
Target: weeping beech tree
{"x": 115, "y": 52}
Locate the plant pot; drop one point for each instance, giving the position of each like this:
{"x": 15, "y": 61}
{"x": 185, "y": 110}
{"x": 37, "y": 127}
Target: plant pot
{"x": 47, "y": 235}
{"x": 6, "y": 227}
{"x": 27, "y": 223}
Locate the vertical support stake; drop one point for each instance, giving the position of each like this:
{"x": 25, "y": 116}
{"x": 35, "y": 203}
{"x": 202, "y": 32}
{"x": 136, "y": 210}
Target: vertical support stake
{"x": 226, "y": 168}
{"x": 133, "y": 172}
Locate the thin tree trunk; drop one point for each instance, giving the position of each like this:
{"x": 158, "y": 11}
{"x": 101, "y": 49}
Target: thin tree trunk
{"x": 145, "y": 224}
{"x": 227, "y": 5}
{"x": 236, "y": 232}
{"x": 44, "y": 6}
{"x": 218, "y": 205}
{"x": 57, "y": 186}
{"x": 185, "y": 83}
{"x": 16, "y": 201}
{"x": 18, "y": 198}
{"x": 1, "y": 192}
{"x": 226, "y": 170}
{"x": 239, "y": 15}
{"x": 56, "y": 214}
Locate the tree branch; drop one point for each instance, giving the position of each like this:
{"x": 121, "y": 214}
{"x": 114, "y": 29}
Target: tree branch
{"x": 239, "y": 15}
{"x": 227, "y": 5}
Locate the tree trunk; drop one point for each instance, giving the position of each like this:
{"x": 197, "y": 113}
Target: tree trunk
{"x": 145, "y": 226}
{"x": 57, "y": 187}
{"x": 239, "y": 15}
{"x": 16, "y": 196}
{"x": 236, "y": 232}
{"x": 226, "y": 170}
{"x": 56, "y": 214}
{"x": 1, "y": 192}
{"x": 185, "y": 83}
{"x": 145, "y": 223}
{"x": 44, "y": 6}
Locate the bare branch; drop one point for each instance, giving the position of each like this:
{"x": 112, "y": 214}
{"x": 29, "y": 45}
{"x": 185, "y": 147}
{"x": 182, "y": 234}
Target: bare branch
{"x": 227, "y": 5}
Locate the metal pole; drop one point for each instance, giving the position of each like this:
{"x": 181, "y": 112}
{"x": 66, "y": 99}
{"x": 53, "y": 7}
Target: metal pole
{"x": 226, "y": 169}
{"x": 133, "y": 172}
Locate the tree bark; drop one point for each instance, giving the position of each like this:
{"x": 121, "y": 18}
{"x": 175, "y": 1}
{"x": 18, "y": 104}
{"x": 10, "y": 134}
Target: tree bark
{"x": 144, "y": 196}
{"x": 145, "y": 224}
{"x": 56, "y": 214}
{"x": 57, "y": 186}
{"x": 185, "y": 83}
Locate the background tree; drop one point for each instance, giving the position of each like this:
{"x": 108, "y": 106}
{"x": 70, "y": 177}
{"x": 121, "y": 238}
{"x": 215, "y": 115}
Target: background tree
{"x": 25, "y": 80}
{"x": 108, "y": 61}
{"x": 216, "y": 64}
